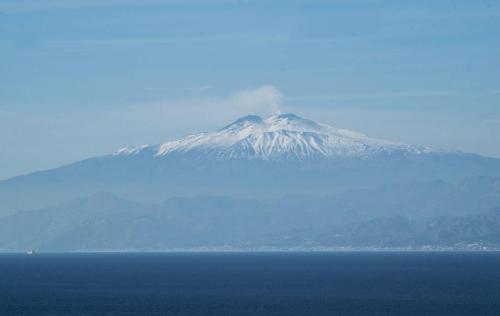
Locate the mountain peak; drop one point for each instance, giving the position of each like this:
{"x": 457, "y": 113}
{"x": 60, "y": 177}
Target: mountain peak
{"x": 290, "y": 121}
{"x": 250, "y": 118}
{"x": 244, "y": 121}
{"x": 276, "y": 122}
{"x": 283, "y": 135}
{"x": 285, "y": 116}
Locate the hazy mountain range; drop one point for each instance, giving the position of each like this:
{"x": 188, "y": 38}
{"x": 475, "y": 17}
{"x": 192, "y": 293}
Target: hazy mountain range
{"x": 282, "y": 181}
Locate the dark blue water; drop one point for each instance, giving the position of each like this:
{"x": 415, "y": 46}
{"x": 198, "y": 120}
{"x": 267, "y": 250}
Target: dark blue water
{"x": 251, "y": 284}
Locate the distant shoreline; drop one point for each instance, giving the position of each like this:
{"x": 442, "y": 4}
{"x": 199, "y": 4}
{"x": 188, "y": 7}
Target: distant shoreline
{"x": 263, "y": 250}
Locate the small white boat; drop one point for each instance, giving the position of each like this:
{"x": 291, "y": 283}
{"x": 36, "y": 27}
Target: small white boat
{"x": 30, "y": 252}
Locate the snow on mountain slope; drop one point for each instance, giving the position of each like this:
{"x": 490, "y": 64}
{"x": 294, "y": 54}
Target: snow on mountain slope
{"x": 277, "y": 136}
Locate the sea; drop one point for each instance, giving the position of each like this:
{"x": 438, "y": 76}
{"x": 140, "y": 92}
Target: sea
{"x": 238, "y": 283}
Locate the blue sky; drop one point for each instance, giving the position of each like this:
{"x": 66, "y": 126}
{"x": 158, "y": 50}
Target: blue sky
{"x": 83, "y": 78}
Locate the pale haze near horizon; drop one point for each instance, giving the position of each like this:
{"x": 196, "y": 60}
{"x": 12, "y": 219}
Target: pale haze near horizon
{"x": 84, "y": 78}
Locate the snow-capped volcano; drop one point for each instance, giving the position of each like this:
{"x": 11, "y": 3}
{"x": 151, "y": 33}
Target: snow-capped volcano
{"x": 282, "y": 154}
{"x": 277, "y": 136}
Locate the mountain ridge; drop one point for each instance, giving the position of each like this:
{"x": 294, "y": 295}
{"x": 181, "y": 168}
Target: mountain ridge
{"x": 450, "y": 216}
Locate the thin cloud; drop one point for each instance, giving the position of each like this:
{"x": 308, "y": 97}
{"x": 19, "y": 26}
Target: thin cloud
{"x": 375, "y": 95}
{"x": 180, "y": 89}
{"x": 72, "y": 45}
{"x": 16, "y": 6}
{"x": 121, "y": 42}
